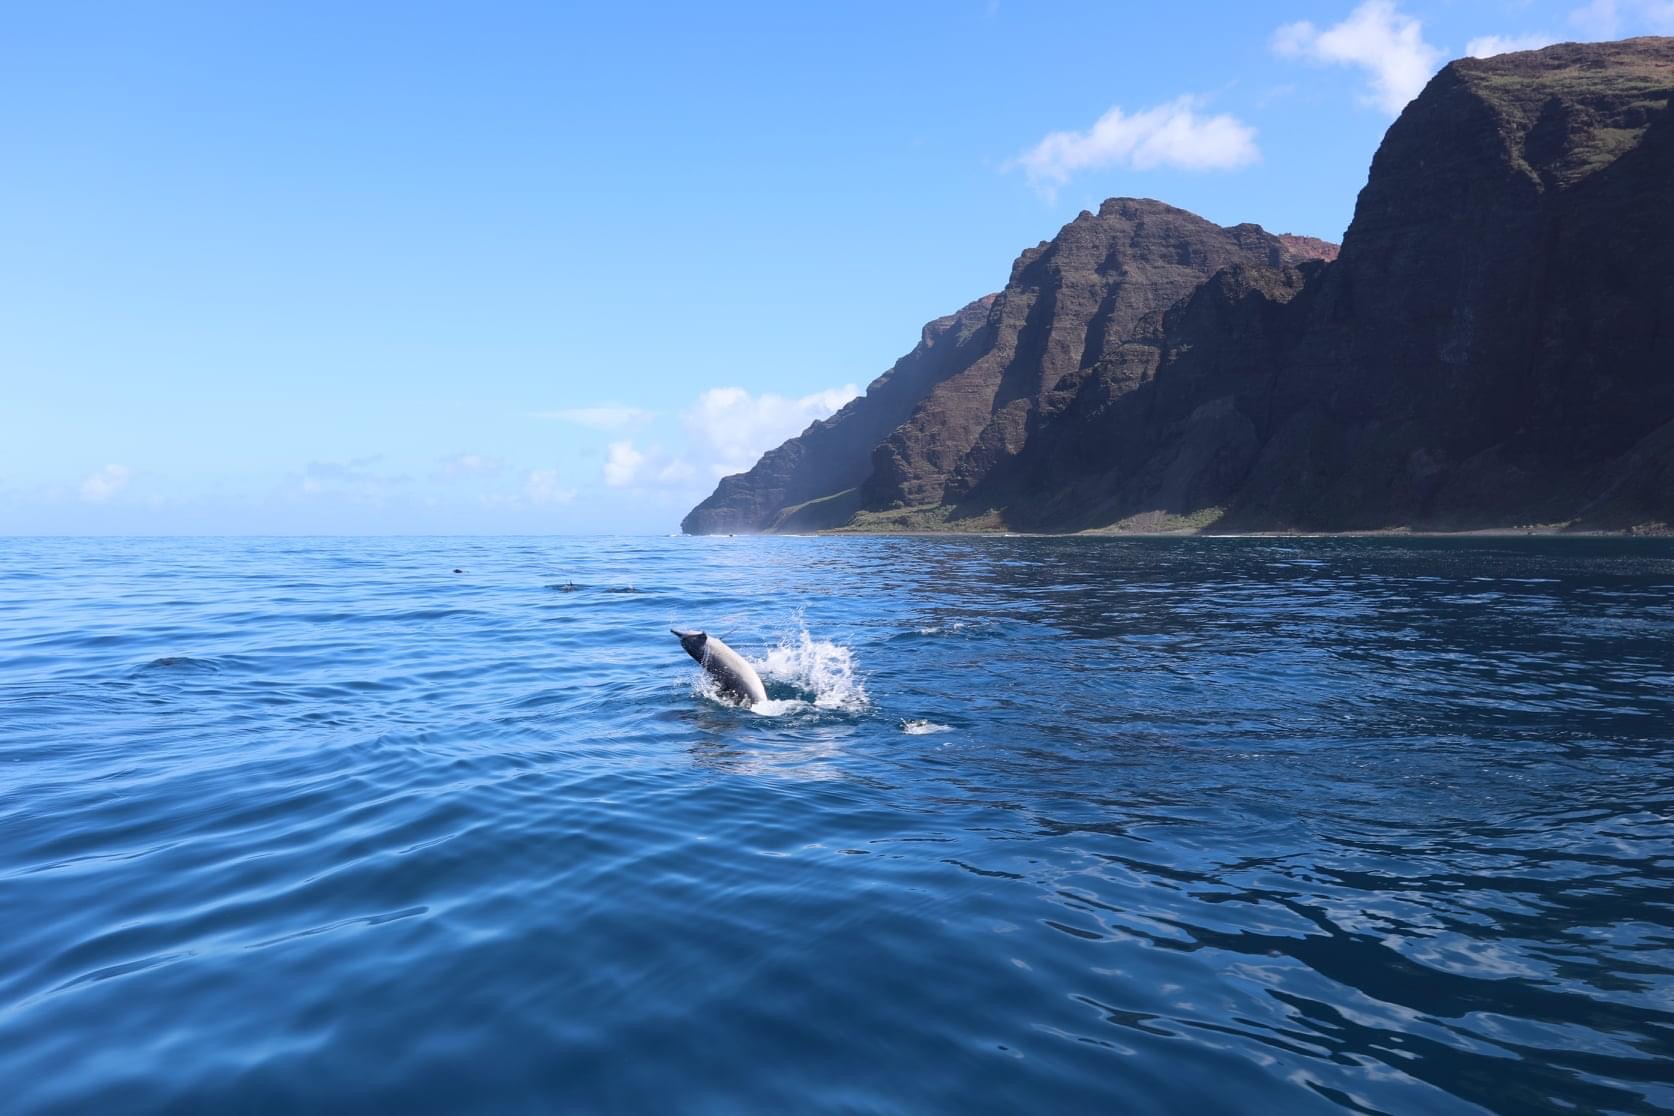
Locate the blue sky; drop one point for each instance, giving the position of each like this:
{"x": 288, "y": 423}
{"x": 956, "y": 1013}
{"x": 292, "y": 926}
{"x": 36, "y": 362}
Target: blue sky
{"x": 505, "y": 268}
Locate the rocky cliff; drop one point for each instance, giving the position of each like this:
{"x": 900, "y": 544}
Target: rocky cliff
{"x": 811, "y": 481}
{"x": 1069, "y": 301}
{"x": 1492, "y": 347}
{"x": 1495, "y": 344}
{"x": 966, "y": 398}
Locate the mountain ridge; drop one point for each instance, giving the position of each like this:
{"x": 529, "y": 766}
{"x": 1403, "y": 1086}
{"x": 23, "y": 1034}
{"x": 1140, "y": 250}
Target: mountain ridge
{"x": 1491, "y": 347}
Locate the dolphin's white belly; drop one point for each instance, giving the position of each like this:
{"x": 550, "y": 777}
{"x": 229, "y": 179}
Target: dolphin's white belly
{"x": 733, "y": 672}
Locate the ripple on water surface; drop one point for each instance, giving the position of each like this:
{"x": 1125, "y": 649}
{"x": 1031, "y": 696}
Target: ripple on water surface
{"x": 1026, "y": 825}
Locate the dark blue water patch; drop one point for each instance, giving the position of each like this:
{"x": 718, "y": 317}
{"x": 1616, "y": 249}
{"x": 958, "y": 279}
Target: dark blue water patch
{"x": 1029, "y": 825}
{"x": 183, "y": 664}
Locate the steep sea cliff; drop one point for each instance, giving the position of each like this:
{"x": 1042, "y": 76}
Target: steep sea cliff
{"x": 1492, "y": 348}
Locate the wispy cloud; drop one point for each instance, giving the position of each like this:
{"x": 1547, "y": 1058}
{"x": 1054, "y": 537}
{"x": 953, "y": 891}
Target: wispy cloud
{"x": 1175, "y": 134}
{"x": 643, "y": 471}
{"x": 105, "y": 482}
{"x": 727, "y": 430}
{"x": 676, "y": 472}
{"x": 1610, "y": 19}
{"x": 1489, "y": 45}
{"x": 1601, "y": 19}
{"x": 1377, "y": 38}
{"x": 606, "y": 416}
{"x": 355, "y": 479}
{"x": 732, "y": 428}
{"x": 1658, "y": 15}
{"x": 471, "y": 465}
{"x": 622, "y": 462}
{"x": 541, "y": 486}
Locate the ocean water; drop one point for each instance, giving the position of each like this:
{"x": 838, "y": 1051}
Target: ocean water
{"x": 1030, "y": 825}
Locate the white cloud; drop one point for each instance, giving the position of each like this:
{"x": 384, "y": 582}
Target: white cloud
{"x": 607, "y": 416}
{"x": 1600, "y": 19}
{"x": 541, "y": 487}
{"x": 102, "y": 484}
{"x": 1376, "y": 37}
{"x": 726, "y": 429}
{"x": 643, "y": 470}
{"x": 1175, "y": 134}
{"x": 1489, "y": 45}
{"x": 732, "y": 428}
{"x": 622, "y": 462}
{"x": 1659, "y": 15}
{"x": 676, "y": 472}
{"x": 355, "y": 479}
{"x": 1610, "y": 19}
{"x": 471, "y": 464}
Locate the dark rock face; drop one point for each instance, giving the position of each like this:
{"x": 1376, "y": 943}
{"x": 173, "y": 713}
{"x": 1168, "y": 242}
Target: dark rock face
{"x": 1172, "y": 421}
{"x": 1069, "y": 301}
{"x": 1492, "y": 347}
{"x": 1495, "y": 333}
{"x": 1308, "y": 247}
{"x": 969, "y": 395}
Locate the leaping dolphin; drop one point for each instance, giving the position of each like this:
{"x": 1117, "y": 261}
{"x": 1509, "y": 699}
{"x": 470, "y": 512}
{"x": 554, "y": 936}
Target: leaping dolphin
{"x": 735, "y": 675}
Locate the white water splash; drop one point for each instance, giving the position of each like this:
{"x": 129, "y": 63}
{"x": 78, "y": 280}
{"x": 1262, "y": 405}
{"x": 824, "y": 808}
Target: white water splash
{"x": 822, "y": 673}
{"x": 821, "y": 670}
{"x": 705, "y": 685}
{"x": 923, "y": 728}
